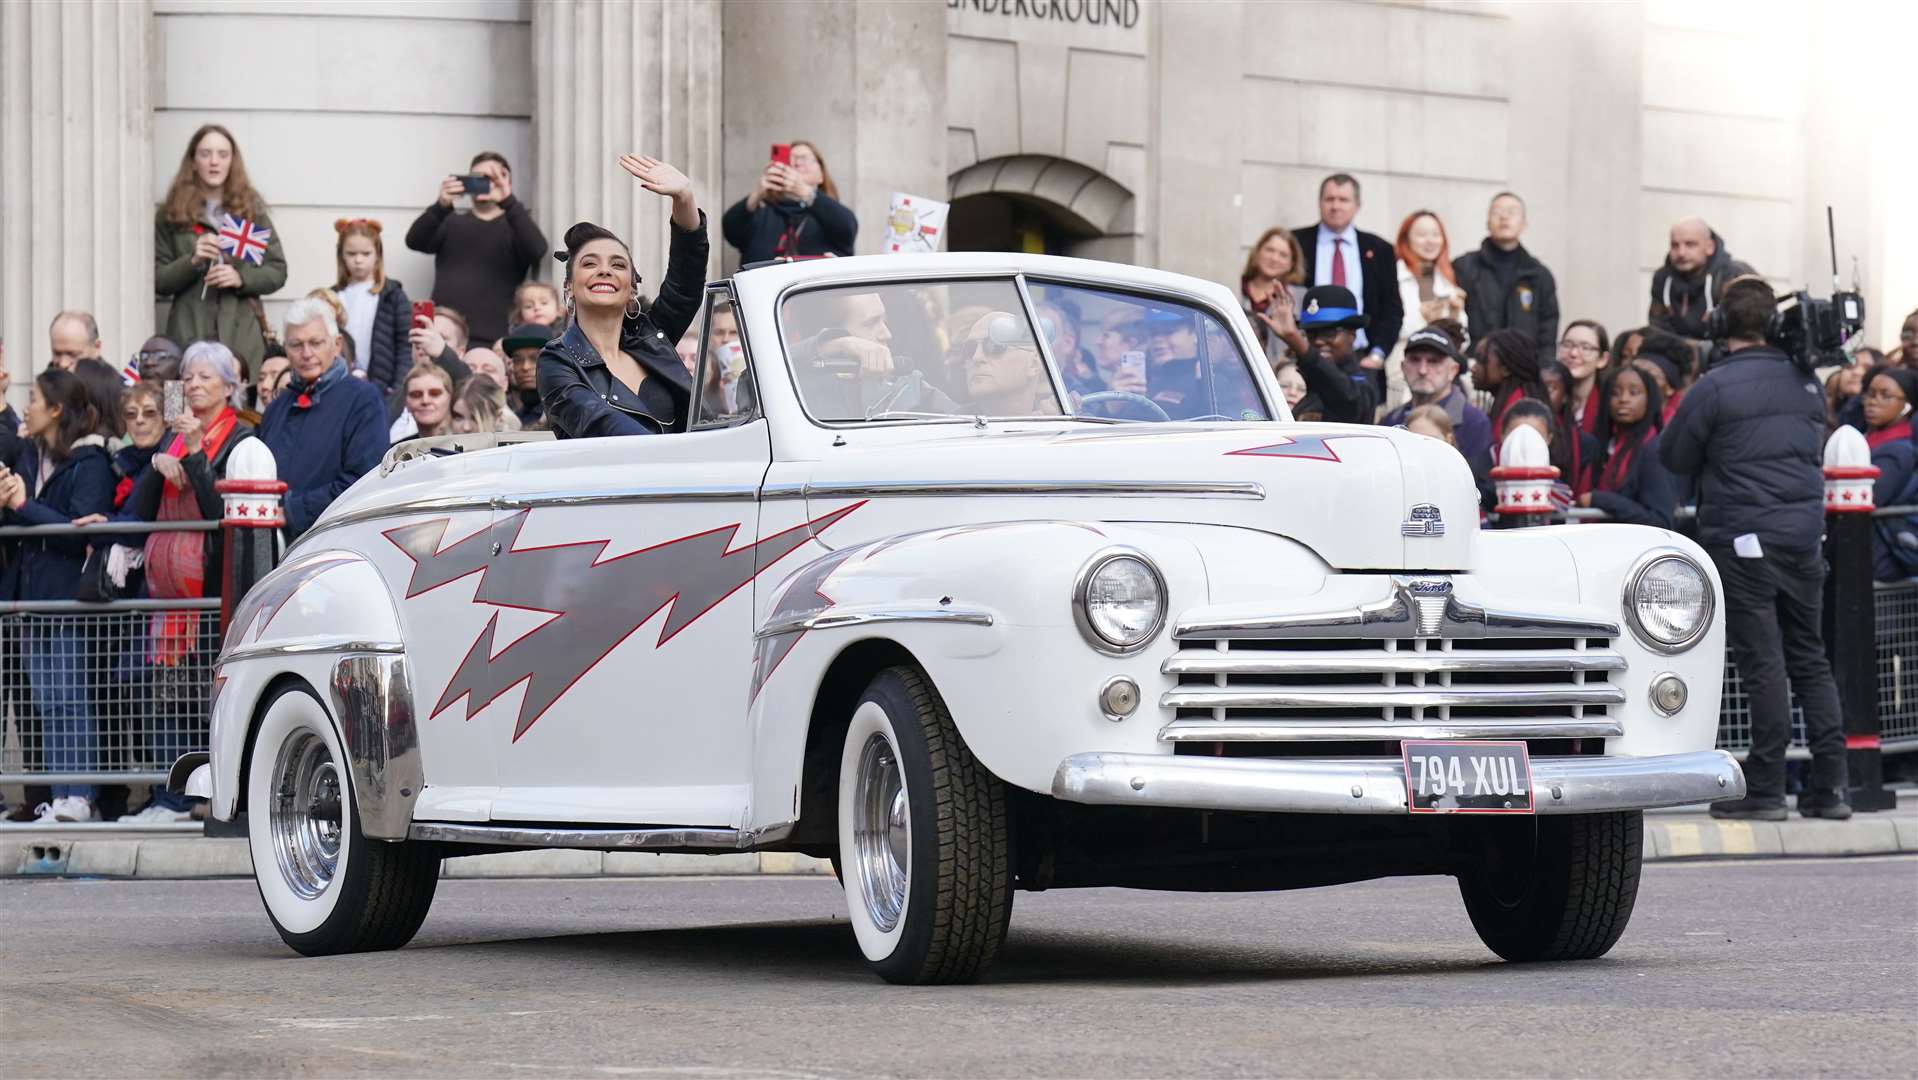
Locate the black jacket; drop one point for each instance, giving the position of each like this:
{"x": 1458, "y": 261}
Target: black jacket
{"x": 202, "y": 474}
{"x": 1378, "y": 294}
{"x": 1529, "y": 306}
{"x": 583, "y": 399}
{"x": 1682, "y": 304}
{"x": 477, "y": 264}
{"x": 9, "y": 434}
{"x": 1753, "y": 429}
{"x": 824, "y": 227}
{"x": 1646, "y": 495}
{"x": 391, "y": 350}
{"x": 48, "y": 568}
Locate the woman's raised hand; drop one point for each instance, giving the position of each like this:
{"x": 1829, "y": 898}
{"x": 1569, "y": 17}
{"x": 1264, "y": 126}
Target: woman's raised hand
{"x": 656, "y": 176}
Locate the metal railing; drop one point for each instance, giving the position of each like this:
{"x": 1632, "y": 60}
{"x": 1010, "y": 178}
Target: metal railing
{"x": 101, "y": 693}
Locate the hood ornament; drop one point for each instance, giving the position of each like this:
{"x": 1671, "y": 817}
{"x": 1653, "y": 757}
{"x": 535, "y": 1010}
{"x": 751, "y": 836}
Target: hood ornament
{"x": 1426, "y": 520}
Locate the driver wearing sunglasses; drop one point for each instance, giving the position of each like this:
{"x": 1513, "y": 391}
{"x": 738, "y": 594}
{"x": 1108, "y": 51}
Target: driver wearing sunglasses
{"x": 1005, "y": 374}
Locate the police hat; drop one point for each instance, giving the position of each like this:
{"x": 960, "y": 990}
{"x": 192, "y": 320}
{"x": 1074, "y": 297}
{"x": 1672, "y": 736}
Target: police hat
{"x": 1437, "y": 341}
{"x": 1330, "y": 305}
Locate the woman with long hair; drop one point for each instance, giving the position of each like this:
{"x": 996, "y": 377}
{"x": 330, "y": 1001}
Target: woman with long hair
{"x": 793, "y": 212}
{"x": 1581, "y": 447}
{"x": 1631, "y": 484}
{"x": 64, "y": 474}
{"x": 216, "y": 296}
{"x": 1271, "y": 288}
{"x": 480, "y": 407}
{"x": 1507, "y": 369}
{"x": 1586, "y": 351}
{"x": 378, "y": 314}
{"x": 1889, "y": 396}
{"x": 613, "y": 371}
{"x": 1428, "y": 290}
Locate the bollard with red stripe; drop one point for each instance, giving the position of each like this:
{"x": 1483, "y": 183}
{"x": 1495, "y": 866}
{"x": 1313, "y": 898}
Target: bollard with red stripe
{"x": 1851, "y": 615}
{"x": 250, "y": 523}
{"x": 1523, "y": 480}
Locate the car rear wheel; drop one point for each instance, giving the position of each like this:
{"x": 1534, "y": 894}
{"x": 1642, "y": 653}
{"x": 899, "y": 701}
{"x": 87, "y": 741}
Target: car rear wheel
{"x": 924, "y": 846}
{"x": 325, "y": 886}
{"x": 1561, "y": 890}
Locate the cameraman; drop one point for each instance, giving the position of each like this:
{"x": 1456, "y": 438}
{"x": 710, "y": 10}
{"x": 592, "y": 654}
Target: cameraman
{"x": 1753, "y": 429}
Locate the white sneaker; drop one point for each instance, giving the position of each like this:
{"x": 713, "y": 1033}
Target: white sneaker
{"x": 40, "y": 812}
{"x": 69, "y": 808}
{"x": 155, "y": 814}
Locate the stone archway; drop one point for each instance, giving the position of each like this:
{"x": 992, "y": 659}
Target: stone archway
{"x": 1042, "y": 204}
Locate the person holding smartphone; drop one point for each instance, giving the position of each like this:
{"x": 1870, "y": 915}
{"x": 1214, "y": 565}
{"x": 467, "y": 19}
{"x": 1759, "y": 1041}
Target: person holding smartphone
{"x": 793, "y": 212}
{"x": 479, "y": 257}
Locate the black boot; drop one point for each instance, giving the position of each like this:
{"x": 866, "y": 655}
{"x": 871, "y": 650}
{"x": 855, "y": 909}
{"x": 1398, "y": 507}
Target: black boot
{"x": 1815, "y": 803}
{"x": 1751, "y": 809}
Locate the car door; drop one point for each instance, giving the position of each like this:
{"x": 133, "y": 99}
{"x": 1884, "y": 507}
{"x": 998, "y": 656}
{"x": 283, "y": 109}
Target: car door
{"x": 619, "y": 693}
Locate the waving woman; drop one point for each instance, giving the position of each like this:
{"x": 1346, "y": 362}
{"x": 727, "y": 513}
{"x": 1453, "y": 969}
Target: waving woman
{"x": 614, "y": 371}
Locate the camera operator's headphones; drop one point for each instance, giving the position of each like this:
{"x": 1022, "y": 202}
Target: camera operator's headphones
{"x": 1718, "y": 324}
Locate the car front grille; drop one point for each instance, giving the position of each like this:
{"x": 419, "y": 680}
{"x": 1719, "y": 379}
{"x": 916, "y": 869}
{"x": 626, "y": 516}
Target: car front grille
{"x": 1414, "y": 667}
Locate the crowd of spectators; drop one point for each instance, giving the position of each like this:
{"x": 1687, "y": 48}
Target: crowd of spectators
{"x": 1357, "y": 328}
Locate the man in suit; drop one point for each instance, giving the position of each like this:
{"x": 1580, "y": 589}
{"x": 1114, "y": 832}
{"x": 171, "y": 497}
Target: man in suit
{"x": 1336, "y": 253}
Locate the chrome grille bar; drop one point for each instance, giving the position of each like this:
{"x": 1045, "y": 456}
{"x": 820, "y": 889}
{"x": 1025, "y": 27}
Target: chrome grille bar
{"x": 1308, "y": 730}
{"x": 1355, "y": 662}
{"x": 1374, "y": 697}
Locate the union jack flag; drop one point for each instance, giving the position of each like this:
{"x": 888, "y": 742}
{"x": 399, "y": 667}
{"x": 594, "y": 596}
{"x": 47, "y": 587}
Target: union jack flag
{"x": 242, "y": 239}
{"x": 130, "y": 374}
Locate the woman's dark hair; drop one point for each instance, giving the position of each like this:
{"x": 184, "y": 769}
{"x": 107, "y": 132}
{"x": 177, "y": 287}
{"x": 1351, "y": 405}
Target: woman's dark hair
{"x": 104, "y": 389}
{"x": 1906, "y": 379}
{"x": 1597, "y": 329}
{"x": 1516, "y": 353}
{"x": 1653, "y": 419}
{"x": 63, "y": 390}
{"x": 581, "y": 234}
{"x": 1550, "y": 372}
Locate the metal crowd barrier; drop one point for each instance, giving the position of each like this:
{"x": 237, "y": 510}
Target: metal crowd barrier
{"x": 103, "y": 693}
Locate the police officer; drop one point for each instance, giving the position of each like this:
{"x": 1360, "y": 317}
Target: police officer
{"x": 1753, "y": 429}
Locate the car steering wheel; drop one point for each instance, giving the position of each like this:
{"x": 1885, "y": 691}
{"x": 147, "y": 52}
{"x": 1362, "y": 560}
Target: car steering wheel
{"x": 1128, "y": 398}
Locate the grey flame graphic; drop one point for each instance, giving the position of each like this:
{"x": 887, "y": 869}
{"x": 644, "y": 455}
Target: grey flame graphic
{"x": 595, "y": 604}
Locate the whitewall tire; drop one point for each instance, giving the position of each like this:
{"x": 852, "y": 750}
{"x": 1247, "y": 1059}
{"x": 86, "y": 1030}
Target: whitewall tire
{"x": 325, "y": 886}
{"x": 924, "y": 844}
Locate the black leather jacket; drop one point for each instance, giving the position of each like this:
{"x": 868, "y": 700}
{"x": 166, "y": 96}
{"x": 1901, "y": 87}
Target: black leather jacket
{"x": 584, "y": 400}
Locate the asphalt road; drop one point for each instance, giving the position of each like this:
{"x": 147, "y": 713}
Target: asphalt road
{"x": 1777, "y": 968}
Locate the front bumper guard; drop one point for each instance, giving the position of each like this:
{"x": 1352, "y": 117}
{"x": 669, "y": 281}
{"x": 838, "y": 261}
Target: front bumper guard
{"x": 1565, "y": 785}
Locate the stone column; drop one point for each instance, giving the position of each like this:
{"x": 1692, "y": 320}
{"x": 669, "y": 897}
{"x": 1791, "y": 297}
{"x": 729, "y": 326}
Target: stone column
{"x": 1193, "y": 214}
{"x": 1576, "y": 154}
{"x": 612, "y": 79}
{"x": 76, "y": 204}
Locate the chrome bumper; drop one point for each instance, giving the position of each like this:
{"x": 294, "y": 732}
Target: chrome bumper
{"x": 1580, "y": 785}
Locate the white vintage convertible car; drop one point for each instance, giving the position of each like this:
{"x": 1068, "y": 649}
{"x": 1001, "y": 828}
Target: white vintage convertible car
{"x": 918, "y": 594}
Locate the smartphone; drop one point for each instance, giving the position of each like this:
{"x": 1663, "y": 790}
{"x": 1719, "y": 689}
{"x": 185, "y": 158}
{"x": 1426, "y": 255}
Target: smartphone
{"x": 173, "y": 400}
{"x": 782, "y": 153}
{"x": 475, "y": 184}
{"x": 422, "y": 309}
{"x": 1133, "y": 361}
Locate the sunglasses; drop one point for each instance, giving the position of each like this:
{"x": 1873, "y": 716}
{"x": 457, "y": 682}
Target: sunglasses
{"x": 422, "y": 395}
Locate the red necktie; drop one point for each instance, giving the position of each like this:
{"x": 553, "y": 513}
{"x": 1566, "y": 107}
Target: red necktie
{"x": 1338, "y": 260}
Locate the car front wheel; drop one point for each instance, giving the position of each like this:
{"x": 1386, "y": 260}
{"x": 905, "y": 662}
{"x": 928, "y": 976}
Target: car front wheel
{"x": 1562, "y": 889}
{"x": 326, "y": 887}
{"x": 924, "y": 846}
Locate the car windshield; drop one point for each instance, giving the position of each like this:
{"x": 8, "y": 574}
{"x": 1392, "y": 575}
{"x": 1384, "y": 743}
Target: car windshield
{"x": 939, "y": 350}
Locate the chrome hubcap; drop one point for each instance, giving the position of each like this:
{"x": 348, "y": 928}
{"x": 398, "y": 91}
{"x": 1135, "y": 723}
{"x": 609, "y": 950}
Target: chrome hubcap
{"x": 882, "y": 834}
{"x": 305, "y": 815}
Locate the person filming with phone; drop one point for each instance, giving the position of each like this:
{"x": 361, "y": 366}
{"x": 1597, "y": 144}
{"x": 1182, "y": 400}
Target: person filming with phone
{"x": 479, "y": 257}
{"x": 793, "y": 213}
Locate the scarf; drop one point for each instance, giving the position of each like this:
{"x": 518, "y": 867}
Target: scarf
{"x": 305, "y": 392}
{"x": 1618, "y": 459}
{"x": 210, "y": 442}
{"x": 1900, "y": 431}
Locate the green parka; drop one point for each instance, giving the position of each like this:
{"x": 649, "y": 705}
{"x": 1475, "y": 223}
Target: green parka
{"x": 225, "y": 315}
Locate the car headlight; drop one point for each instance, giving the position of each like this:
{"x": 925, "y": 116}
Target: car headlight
{"x": 1668, "y": 602}
{"x": 1119, "y": 601}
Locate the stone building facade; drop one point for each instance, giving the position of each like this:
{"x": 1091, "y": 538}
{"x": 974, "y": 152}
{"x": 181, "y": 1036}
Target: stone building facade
{"x": 1140, "y": 130}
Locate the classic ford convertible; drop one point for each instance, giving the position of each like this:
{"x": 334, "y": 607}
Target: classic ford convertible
{"x": 972, "y": 573}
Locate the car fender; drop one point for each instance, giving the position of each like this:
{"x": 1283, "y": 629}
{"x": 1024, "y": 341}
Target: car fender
{"x": 987, "y": 611}
{"x": 325, "y": 619}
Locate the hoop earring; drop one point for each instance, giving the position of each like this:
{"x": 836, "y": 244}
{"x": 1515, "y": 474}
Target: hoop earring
{"x": 632, "y": 307}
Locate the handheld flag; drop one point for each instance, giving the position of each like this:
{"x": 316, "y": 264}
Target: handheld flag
{"x": 242, "y": 239}
{"x": 130, "y": 374}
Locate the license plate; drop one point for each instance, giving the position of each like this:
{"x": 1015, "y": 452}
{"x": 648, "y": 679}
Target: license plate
{"x": 1467, "y": 777}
